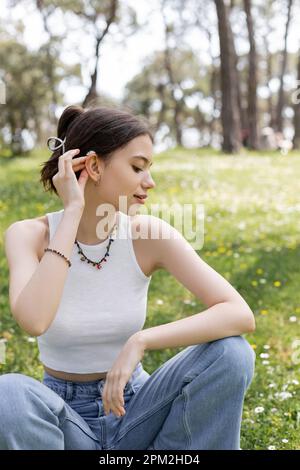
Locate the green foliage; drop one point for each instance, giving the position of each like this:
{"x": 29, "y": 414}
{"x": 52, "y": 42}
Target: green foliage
{"x": 252, "y": 234}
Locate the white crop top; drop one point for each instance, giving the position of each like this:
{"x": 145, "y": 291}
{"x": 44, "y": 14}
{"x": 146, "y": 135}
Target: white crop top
{"x": 99, "y": 309}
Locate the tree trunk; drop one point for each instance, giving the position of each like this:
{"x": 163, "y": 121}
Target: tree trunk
{"x": 280, "y": 104}
{"x": 296, "y": 139}
{"x": 230, "y": 107}
{"x": 49, "y": 69}
{"x": 92, "y": 95}
{"x": 252, "y": 81}
{"x": 271, "y": 110}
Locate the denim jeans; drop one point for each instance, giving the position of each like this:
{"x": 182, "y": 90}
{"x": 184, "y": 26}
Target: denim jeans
{"x": 192, "y": 401}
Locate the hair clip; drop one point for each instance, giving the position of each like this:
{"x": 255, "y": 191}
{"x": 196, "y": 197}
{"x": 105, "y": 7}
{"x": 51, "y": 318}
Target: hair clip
{"x": 51, "y": 144}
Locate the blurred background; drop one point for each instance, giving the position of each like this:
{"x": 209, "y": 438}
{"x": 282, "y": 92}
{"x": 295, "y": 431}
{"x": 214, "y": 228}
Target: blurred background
{"x": 205, "y": 73}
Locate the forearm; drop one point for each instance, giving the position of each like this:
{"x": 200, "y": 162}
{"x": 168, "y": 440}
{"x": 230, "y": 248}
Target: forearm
{"x": 38, "y": 302}
{"x": 219, "y": 321}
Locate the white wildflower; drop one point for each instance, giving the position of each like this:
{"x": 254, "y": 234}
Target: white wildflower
{"x": 259, "y": 409}
{"x": 264, "y": 355}
{"x": 31, "y": 340}
{"x": 293, "y": 318}
{"x": 283, "y": 395}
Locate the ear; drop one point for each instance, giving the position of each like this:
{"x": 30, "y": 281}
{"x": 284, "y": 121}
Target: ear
{"x": 93, "y": 165}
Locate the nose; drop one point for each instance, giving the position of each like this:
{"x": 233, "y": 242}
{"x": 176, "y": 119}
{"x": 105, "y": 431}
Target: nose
{"x": 148, "y": 182}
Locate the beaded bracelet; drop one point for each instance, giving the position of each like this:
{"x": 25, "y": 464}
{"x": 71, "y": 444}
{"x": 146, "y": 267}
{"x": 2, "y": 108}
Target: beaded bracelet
{"x": 60, "y": 254}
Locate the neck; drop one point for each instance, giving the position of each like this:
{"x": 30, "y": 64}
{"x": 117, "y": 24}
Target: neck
{"x": 94, "y": 228}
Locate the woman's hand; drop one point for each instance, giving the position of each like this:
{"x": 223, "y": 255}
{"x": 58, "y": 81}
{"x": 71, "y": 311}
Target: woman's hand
{"x": 121, "y": 371}
{"x": 69, "y": 189}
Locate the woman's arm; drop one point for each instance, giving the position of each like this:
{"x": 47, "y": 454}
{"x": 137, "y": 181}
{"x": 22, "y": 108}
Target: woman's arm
{"x": 35, "y": 288}
{"x": 227, "y": 314}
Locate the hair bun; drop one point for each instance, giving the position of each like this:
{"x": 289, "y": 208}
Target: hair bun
{"x": 67, "y": 118}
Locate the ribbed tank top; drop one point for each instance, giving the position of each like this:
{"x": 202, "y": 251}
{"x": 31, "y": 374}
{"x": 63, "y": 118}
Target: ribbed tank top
{"x": 99, "y": 308}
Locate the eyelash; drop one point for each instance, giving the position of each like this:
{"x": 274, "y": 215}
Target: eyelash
{"x": 136, "y": 169}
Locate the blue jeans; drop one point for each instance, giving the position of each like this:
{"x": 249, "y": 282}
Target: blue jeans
{"x": 192, "y": 401}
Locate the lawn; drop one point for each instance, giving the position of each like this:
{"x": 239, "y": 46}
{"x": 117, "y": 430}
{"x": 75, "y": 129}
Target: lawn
{"x": 251, "y": 236}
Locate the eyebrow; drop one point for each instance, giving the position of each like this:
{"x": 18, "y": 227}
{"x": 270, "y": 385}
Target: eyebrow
{"x": 143, "y": 158}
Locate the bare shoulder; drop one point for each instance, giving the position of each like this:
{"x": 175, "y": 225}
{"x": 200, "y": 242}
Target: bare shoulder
{"x": 148, "y": 233}
{"x": 152, "y": 226}
{"x": 35, "y": 230}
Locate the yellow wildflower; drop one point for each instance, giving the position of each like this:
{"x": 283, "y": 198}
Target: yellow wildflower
{"x": 264, "y": 312}
{"x": 7, "y": 335}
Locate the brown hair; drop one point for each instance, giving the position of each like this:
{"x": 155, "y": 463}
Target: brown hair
{"x": 102, "y": 129}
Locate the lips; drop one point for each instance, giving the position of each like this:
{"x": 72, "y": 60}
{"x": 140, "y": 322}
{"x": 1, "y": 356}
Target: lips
{"x": 141, "y": 196}
{"x": 140, "y": 199}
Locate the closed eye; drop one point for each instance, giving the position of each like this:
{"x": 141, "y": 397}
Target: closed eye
{"x": 136, "y": 169}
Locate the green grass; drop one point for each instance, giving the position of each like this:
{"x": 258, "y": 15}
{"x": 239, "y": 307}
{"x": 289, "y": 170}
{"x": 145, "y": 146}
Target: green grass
{"x": 252, "y": 231}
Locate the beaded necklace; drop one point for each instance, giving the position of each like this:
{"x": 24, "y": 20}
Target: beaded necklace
{"x": 103, "y": 260}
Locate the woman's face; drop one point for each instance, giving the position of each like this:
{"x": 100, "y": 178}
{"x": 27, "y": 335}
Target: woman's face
{"x": 127, "y": 174}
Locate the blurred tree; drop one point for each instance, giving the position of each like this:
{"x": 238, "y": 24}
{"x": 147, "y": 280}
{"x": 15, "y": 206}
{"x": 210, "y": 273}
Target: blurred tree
{"x": 239, "y": 68}
{"x": 296, "y": 139}
{"x": 28, "y": 91}
{"x": 266, "y": 30}
{"x": 151, "y": 93}
{"x": 99, "y": 18}
{"x": 280, "y": 103}
{"x": 50, "y": 48}
{"x": 176, "y": 93}
{"x": 252, "y": 140}
{"x": 230, "y": 109}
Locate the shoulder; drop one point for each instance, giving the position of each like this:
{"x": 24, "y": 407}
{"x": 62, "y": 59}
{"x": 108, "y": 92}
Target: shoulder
{"x": 151, "y": 234}
{"x": 150, "y": 225}
{"x": 33, "y": 231}
{"x": 153, "y": 228}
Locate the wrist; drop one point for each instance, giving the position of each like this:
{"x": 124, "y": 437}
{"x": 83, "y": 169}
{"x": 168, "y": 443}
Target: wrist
{"x": 74, "y": 211}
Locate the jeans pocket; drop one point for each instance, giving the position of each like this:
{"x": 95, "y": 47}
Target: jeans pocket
{"x": 139, "y": 381}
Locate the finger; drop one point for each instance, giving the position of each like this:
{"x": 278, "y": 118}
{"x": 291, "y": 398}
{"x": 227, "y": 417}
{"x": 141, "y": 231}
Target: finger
{"x": 110, "y": 397}
{"x": 69, "y": 163}
{"x": 79, "y": 159}
{"x": 117, "y": 397}
{"x": 74, "y": 164}
{"x": 105, "y": 395}
{"x": 77, "y": 166}
{"x": 61, "y": 160}
{"x": 68, "y": 166}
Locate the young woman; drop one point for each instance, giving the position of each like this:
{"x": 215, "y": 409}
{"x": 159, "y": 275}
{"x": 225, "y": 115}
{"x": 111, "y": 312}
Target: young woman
{"x": 83, "y": 292}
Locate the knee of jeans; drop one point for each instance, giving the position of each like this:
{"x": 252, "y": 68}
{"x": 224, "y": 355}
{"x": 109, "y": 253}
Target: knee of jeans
{"x": 11, "y": 393}
{"x": 10, "y": 382}
{"x": 239, "y": 359}
{"x": 13, "y": 387}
